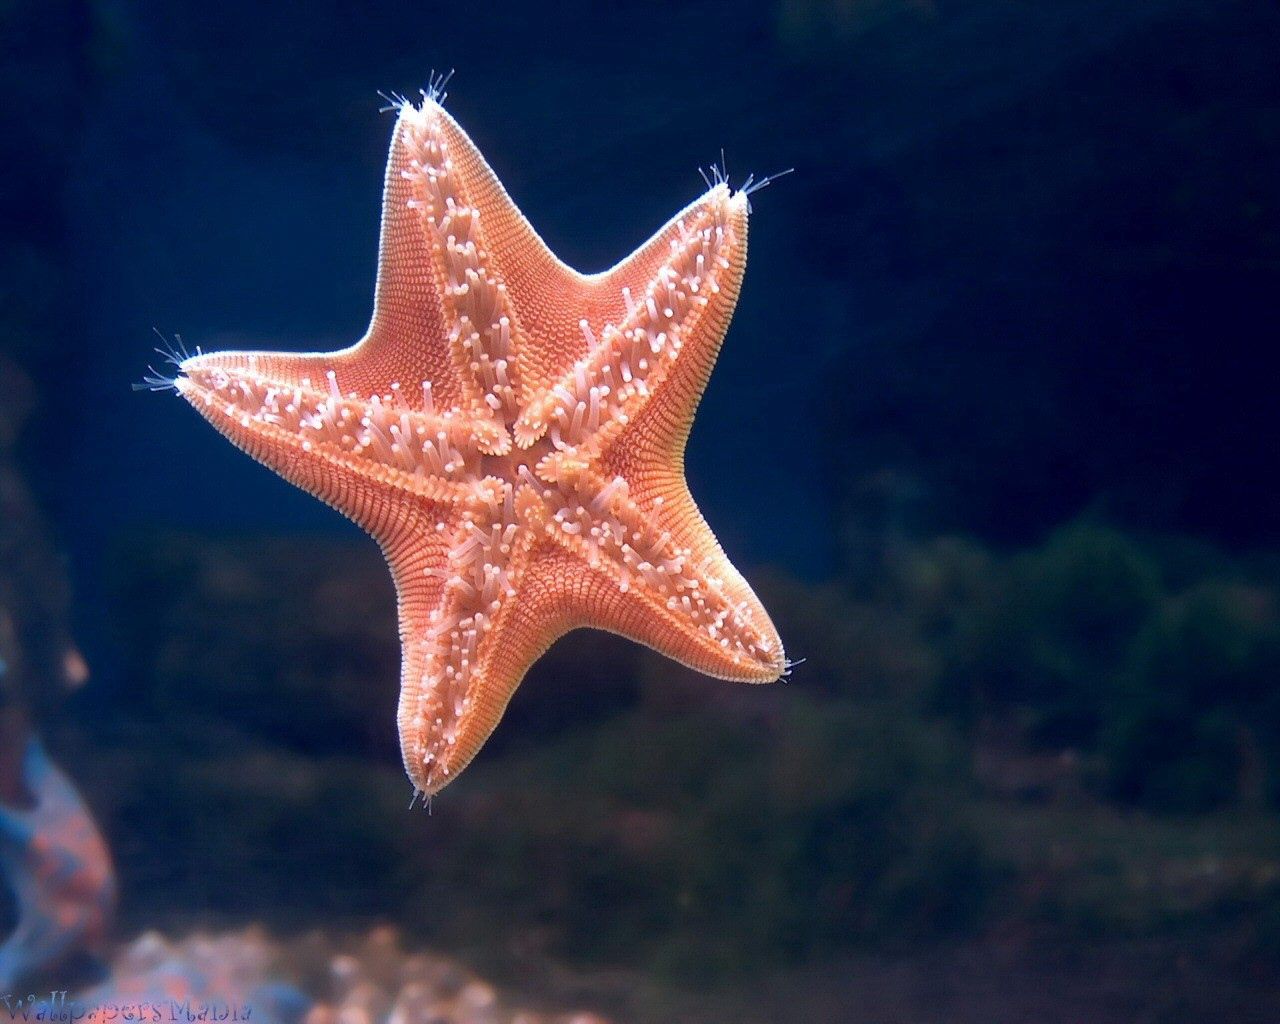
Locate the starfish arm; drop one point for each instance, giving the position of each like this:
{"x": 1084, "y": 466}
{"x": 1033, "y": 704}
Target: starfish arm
{"x": 469, "y": 639}
{"x": 540, "y": 288}
{"x": 705, "y": 632}
{"x": 483, "y": 331}
{"x": 665, "y": 344}
{"x": 615, "y": 291}
{"x": 660, "y": 577}
{"x": 657, "y": 427}
{"x": 705, "y": 596}
{"x": 408, "y": 336}
{"x": 355, "y": 456}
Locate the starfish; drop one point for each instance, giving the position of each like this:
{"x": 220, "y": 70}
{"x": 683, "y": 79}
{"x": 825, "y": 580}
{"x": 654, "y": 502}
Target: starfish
{"x": 512, "y": 433}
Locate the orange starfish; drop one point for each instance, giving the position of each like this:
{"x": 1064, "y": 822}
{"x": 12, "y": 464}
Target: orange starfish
{"x": 512, "y": 434}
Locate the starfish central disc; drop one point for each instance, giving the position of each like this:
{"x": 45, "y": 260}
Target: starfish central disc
{"x": 512, "y": 434}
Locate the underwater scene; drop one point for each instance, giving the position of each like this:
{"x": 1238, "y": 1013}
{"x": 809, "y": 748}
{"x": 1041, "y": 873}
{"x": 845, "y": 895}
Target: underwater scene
{"x": 569, "y": 513}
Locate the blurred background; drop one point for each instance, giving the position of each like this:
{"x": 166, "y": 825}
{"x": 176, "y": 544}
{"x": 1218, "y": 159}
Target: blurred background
{"x": 994, "y": 433}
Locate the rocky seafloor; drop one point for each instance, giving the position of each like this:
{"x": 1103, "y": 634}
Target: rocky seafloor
{"x": 247, "y": 975}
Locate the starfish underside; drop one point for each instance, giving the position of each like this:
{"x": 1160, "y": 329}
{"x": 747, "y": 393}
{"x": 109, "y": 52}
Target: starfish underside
{"x": 512, "y": 433}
